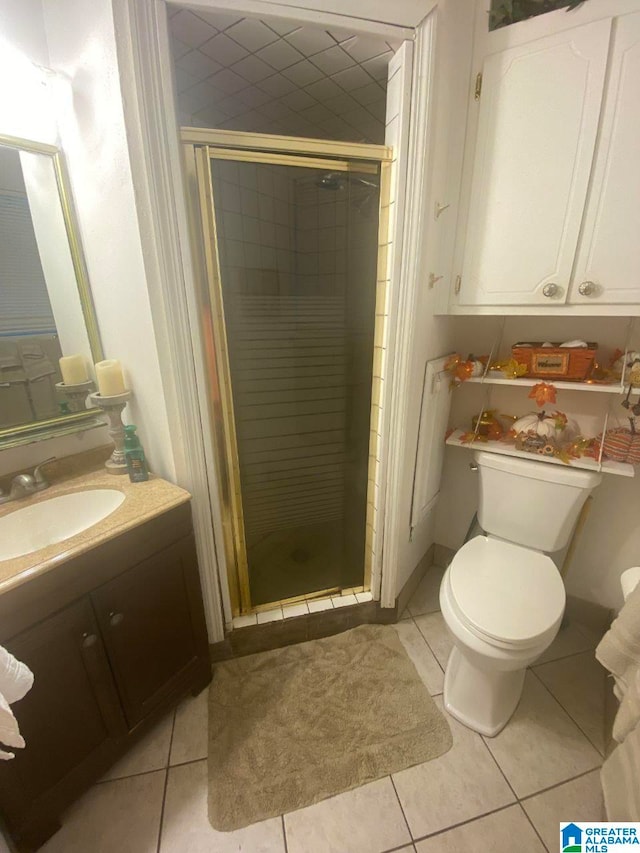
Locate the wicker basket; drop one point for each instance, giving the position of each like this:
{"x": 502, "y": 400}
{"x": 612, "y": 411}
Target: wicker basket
{"x": 556, "y": 362}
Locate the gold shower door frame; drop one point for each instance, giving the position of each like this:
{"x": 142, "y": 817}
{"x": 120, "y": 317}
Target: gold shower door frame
{"x": 200, "y": 147}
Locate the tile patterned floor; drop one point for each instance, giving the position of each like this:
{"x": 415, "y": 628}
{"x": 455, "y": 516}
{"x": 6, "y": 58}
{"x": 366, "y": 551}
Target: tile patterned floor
{"x": 482, "y": 794}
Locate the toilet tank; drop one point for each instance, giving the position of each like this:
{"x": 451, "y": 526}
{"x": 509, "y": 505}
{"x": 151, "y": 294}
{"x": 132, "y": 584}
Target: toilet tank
{"x": 531, "y": 503}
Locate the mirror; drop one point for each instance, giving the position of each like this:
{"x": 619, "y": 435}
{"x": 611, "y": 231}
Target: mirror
{"x": 45, "y": 302}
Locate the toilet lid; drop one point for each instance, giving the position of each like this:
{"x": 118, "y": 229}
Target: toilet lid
{"x": 506, "y": 591}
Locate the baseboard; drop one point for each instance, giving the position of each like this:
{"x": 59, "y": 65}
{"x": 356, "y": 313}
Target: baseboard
{"x": 411, "y": 584}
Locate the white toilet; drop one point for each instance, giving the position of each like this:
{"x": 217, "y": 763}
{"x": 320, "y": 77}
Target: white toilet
{"x": 502, "y": 597}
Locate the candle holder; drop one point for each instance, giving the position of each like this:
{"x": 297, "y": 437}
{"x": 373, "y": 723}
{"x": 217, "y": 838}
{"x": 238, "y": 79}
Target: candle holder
{"x": 113, "y": 406}
{"x": 76, "y": 394}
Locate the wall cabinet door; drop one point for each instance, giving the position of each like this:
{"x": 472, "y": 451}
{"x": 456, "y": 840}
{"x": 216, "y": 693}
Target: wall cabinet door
{"x": 153, "y": 628}
{"x": 539, "y": 112}
{"x": 608, "y": 262}
{"x": 70, "y": 719}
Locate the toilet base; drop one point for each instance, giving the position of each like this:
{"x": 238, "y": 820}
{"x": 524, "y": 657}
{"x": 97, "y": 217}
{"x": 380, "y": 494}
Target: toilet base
{"x": 481, "y": 699}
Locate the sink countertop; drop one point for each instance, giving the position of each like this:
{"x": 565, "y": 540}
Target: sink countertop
{"x": 142, "y": 502}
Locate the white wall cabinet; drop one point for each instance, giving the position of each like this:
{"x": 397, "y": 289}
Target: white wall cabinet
{"x": 608, "y": 261}
{"x": 552, "y": 172}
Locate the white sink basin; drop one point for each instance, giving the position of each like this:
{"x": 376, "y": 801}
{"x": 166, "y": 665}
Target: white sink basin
{"x": 39, "y": 525}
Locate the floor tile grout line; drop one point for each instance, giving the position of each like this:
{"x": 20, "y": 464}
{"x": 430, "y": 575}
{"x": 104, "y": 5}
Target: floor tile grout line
{"x": 435, "y": 657}
{"x": 189, "y": 761}
{"x": 166, "y": 779}
{"x": 463, "y": 823}
{"x": 497, "y": 763}
{"x": 395, "y": 790}
{"x": 518, "y": 799}
{"x": 568, "y": 713}
{"x": 558, "y": 785}
{"x": 540, "y": 663}
{"x": 533, "y": 826}
{"x": 504, "y": 775}
{"x": 131, "y": 776}
{"x": 284, "y": 834}
{"x": 155, "y": 770}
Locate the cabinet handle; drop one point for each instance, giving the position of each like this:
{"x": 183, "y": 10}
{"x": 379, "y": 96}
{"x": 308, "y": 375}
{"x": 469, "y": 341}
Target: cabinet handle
{"x": 550, "y": 290}
{"x": 587, "y": 288}
{"x": 115, "y": 619}
{"x": 88, "y": 640}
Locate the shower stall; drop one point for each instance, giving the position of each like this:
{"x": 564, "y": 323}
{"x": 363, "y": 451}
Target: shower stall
{"x": 289, "y": 248}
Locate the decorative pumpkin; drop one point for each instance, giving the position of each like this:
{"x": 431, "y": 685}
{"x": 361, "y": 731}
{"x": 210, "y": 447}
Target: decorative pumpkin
{"x": 630, "y": 366}
{"x": 622, "y": 445}
{"x": 462, "y": 370}
{"x": 487, "y": 424}
{"x": 544, "y": 425}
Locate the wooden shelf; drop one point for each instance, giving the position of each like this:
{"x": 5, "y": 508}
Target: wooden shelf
{"x": 561, "y": 385}
{"x": 622, "y": 469}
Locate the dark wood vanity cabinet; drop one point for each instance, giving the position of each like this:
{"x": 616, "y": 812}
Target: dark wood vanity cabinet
{"x": 114, "y": 638}
{"x": 145, "y": 618}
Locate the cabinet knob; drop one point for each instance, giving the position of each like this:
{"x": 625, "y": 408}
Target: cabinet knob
{"x": 587, "y": 288}
{"x": 550, "y": 290}
{"x": 88, "y": 640}
{"x": 115, "y": 619}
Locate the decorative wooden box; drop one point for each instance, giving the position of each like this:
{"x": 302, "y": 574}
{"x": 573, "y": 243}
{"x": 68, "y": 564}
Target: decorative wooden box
{"x": 555, "y": 362}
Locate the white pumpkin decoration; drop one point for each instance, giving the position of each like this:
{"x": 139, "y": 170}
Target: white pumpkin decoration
{"x": 544, "y": 425}
{"x": 631, "y": 368}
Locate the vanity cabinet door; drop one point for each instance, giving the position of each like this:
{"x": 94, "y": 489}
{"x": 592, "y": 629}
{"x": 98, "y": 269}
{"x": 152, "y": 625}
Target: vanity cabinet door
{"x": 152, "y": 622}
{"x": 608, "y": 262}
{"x": 71, "y": 718}
{"x": 539, "y": 110}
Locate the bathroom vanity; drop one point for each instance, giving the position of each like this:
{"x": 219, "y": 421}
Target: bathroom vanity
{"x": 111, "y": 622}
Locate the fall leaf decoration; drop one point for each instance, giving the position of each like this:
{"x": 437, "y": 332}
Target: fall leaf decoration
{"x": 511, "y": 368}
{"x": 459, "y": 369}
{"x": 469, "y": 437}
{"x": 560, "y": 420}
{"x": 543, "y": 393}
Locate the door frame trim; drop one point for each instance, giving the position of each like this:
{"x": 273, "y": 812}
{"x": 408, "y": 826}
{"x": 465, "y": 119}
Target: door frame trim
{"x": 208, "y": 282}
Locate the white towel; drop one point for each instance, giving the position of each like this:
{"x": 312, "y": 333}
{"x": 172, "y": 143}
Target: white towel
{"x": 619, "y": 652}
{"x": 16, "y": 680}
{"x": 9, "y": 730}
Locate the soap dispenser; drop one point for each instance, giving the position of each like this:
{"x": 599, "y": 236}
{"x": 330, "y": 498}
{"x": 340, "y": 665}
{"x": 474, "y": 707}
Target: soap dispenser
{"x": 134, "y": 455}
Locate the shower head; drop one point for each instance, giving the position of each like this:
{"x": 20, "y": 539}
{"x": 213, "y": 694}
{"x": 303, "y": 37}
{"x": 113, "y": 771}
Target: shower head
{"x": 331, "y": 181}
{"x": 337, "y": 181}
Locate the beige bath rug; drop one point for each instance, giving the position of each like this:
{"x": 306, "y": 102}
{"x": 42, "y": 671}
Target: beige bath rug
{"x": 293, "y": 726}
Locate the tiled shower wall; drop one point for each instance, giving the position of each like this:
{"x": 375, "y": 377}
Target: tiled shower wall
{"x": 320, "y": 238}
{"x": 255, "y": 219}
{"x": 286, "y": 333}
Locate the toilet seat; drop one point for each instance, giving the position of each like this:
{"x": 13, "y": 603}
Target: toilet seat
{"x": 504, "y": 593}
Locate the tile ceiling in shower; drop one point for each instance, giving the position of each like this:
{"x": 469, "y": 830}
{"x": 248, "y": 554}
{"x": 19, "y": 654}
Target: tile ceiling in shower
{"x": 276, "y": 76}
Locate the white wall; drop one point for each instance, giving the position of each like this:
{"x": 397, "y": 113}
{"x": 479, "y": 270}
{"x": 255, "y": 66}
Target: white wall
{"x": 25, "y": 94}
{"x": 22, "y": 25}
{"x": 92, "y": 134}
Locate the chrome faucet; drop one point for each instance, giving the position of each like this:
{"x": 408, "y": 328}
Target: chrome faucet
{"x": 24, "y": 485}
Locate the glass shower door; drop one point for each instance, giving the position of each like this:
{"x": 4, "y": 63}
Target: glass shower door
{"x": 296, "y": 252}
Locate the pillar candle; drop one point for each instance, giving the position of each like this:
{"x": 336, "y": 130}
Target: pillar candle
{"x": 74, "y": 369}
{"x": 109, "y": 377}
